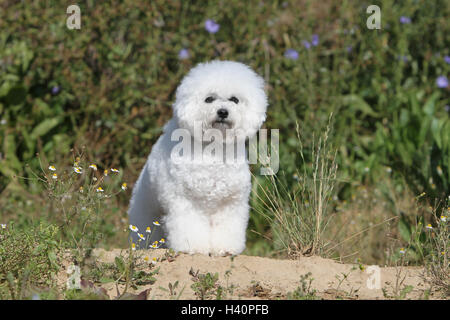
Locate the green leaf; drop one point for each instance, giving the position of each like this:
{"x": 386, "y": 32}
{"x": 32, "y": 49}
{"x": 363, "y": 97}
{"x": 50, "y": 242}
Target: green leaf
{"x": 44, "y": 127}
{"x": 436, "y": 126}
{"x": 358, "y": 103}
{"x": 120, "y": 264}
{"x": 424, "y": 130}
{"x": 405, "y": 156}
{"x": 404, "y": 229}
{"x": 10, "y": 149}
{"x": 106, "y": 280}
{"x": 428, "y": 108}
{"x": 404, "y": 117}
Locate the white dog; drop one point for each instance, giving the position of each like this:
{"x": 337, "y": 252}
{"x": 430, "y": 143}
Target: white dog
{"x": 202, "y": 203}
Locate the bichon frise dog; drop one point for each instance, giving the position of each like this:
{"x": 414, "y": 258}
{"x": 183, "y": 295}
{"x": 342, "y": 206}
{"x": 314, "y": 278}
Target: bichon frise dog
{"x": 202, "y": 201}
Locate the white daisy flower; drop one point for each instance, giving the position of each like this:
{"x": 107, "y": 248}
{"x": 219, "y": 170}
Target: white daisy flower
{"x": 124, "y": 186}
{"x": 54, "y": 176}
{"x": 100, "y": 189}
{"x": 78, "y": 170}
{"x": 443, "y": 218}
{"x": 93, "y": 166}
{"x": 429, "y": 227}
{"x": 114, "y": 170}
{"x": 133, "y": 247}
{"x": 141, "y": 236}
{"x": 52, "y": 168}
{"x": 156, "y": 223}
{"x": 154, "y": 245}
{"x": 3, "y": 225}
{"x": 133, "y": 228}
{"x": 148, "y": 230}
{"x": 162, "y": 240}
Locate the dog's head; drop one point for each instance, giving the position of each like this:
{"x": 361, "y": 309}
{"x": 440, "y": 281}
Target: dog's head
{"x": 223, "y": 95}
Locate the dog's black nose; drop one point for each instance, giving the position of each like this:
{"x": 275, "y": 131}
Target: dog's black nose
{"x": 222, "y": 113}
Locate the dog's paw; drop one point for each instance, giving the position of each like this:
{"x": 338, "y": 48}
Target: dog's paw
{"x": 224, "y": 252}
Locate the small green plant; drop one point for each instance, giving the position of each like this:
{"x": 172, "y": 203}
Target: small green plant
{"x": 437, "y": 262}
{"x": 205, "y": 285}
{"x": 343, "y": 277}
{"x": 172, "y": 290}
{"x": 304, "y": 291}
{"x": 398, "y": 290}
{"x": 79, "y": 193}
{"x": 398, "y": 293}
{"x": 27, "y": 258}
{"x": 132, "y": 270}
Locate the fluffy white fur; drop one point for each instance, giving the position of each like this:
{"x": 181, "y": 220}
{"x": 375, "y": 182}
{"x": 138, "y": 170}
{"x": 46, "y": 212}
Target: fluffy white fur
{"x": 202, "y": 205}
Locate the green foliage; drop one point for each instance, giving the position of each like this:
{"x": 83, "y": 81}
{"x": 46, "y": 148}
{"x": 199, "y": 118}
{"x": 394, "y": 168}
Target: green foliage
{"x": 27, "y": 257}
{"x": 416, "y": 143}
{"x": 109, "y": 87}
{"x": 205, "y": 285}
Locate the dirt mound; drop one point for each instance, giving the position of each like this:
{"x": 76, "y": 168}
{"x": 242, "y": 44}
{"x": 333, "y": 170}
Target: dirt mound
{"x": 248, "y": 277}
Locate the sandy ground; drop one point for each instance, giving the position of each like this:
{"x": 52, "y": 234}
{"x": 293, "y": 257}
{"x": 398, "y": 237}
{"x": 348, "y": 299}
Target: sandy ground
{"x": 250, "y": 277}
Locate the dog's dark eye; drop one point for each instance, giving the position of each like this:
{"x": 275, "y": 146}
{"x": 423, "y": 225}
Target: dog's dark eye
{"x": 234, "y": 99}
{"x": 209, "y": 99}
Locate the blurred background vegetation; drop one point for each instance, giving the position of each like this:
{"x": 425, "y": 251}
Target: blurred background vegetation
{"x": 105, "y": 91}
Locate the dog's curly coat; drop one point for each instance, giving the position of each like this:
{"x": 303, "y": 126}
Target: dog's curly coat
{"x": 203, "y": 205}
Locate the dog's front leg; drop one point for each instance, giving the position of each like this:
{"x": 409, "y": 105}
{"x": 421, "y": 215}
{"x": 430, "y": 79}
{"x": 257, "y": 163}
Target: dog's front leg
{"x": 228, "y": 228}
{"x": 187, "y": 229}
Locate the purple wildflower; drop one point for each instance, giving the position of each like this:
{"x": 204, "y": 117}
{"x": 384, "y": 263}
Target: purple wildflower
{"x": 405, "y": 20}
{"x": 291, "y": 54}
{"x": 442, "y": 82}
{"x": 306, "y": 44}
{"x": 447, "y": 108}
{"x": 183, "y": 54}
{"x": 447, "y": 59}
{"x": 349, "y": 49}
{"x": 56, "y": 89}
{"x": 211, "y": 26}
{"x": 315, "y": 40}
{"x": 403, "y": 58}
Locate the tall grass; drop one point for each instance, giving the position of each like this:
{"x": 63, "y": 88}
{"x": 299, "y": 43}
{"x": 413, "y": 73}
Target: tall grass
{"x": 299, "y": 215}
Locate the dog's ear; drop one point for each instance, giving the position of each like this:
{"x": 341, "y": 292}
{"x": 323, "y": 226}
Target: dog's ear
{"x": 257, "y": 104}
{"x": 185, "y": 106}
